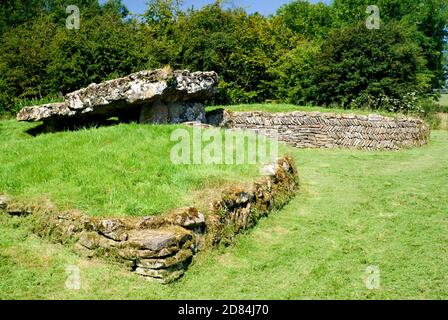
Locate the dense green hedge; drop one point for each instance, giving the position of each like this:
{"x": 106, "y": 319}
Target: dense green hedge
{"x": 306, "y": 53}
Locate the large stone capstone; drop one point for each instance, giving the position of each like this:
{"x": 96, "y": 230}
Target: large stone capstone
{"x": 151, "y": 96}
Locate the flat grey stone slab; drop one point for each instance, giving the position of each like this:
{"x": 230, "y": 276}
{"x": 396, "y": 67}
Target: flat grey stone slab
{"x": 129, "y": 94}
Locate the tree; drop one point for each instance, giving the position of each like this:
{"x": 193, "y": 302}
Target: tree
{"x": 240, "y": 47}
{"x": 115, "y": 7}
{"x": 40, "y": 57}
{"x": 104, "y": 48}
{"x": 16, "y": 12}
{"x": 290, "y": 72}
{"x": 205, "y": 40}
{"x": 24, "y": 58}
{"x": 356, "y": 61}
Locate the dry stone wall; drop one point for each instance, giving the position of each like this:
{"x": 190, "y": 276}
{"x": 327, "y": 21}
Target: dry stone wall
{"x": 161, "y": 248}
{"x": 330, "y": 130}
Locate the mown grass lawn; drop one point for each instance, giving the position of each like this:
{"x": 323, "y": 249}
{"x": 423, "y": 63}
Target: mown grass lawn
{"x": 355, "y": 209}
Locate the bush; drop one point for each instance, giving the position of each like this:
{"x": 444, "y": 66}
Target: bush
{"x": 356, "y": 63}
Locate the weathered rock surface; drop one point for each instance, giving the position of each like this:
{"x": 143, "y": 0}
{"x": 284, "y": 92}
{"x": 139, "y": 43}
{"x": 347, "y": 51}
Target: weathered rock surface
{"x": 113, "y": 229}
{"x": 45, "y": 112}
{"x": 151, "y": 96}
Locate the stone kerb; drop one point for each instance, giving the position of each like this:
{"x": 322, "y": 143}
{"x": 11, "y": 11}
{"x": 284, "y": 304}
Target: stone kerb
{"x": 150, "y": 96}
{"x": 330, "y": 130}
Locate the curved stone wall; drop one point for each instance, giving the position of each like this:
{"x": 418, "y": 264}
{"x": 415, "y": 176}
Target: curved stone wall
{"x": 161, "y": 248}
{"x": 330, "y": 130}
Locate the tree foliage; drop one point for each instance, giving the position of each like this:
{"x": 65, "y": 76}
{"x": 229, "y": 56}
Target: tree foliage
{"x": 357, "y": 62}
{"x": 306, "y": 53}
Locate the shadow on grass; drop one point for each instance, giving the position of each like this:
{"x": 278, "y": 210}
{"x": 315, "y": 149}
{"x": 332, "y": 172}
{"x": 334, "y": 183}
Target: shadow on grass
{"x": 53, "y": 126}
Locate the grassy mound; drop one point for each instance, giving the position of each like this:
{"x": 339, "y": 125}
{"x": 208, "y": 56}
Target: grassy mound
{"x": 355, "y": 209}
{"x": 109, "y": 171}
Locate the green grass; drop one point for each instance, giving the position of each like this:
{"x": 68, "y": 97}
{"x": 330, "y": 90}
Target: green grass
{"x": 355, "y": 209}
{"x": 109, "y": 171}
{"x": 444, "y": 100}
{"x": 276, "y": 108}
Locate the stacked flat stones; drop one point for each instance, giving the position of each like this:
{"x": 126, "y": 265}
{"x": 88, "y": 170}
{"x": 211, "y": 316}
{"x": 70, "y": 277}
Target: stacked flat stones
{"x": 151, "y": 96}
{"x": 330, "y": 130}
